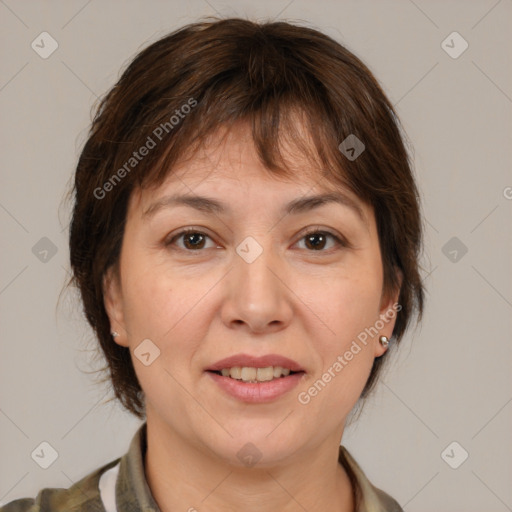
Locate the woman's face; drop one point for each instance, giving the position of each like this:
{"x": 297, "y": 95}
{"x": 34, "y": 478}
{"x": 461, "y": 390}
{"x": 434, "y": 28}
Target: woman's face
{"x": 255, "y": 278}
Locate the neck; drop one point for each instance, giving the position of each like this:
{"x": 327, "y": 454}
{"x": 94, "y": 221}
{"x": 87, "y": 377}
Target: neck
{"x": 184, "y": 477}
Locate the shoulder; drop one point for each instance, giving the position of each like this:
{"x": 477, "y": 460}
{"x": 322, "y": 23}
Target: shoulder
{"x": 20, "y": 505}
{"x": 83, "y": 496}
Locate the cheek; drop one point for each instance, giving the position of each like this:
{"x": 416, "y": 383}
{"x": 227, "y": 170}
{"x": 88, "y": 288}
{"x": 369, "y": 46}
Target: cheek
{"x": 350, "y": 303}
{"x": 158, "y": 309}
{"x": 152, "y": 298}
{"x": 354, "y": 334}
{"x": 167, "y": 309}
{"x": 349, "y": 308}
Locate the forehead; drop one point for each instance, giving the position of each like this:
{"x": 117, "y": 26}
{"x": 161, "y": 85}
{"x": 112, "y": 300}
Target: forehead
{"x": 228, "y": 166}
{"x": 230, "y": 154}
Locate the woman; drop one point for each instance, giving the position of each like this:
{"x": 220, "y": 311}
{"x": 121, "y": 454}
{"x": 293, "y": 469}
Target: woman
{"x": 245, "y": 238}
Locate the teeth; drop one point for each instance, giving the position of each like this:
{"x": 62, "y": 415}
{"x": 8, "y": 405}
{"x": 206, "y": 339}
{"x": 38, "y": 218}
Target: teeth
{"x": 236, "y": 373}
{"x": 249, "y": 374}
{"x": 264, "y": 374}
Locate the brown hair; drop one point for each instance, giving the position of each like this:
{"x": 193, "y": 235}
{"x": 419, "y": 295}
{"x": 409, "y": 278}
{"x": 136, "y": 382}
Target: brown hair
{"x": 180, "y": 89}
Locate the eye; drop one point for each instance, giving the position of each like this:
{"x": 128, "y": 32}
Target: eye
{"x": 193, "y": 240}
{"x": 316, "y": 240}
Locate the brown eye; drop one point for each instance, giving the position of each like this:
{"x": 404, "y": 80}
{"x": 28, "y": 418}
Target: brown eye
{"x": 193, "y": 240}
{"x": 318, "y": 240}
{"x": 315, "y": 241}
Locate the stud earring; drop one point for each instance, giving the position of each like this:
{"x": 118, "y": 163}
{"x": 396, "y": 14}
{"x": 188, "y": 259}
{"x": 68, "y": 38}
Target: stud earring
{"x": 384, "y": 341}
{"x": 114, "y": 334}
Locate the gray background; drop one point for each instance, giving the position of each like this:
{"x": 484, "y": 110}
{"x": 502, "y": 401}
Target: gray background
{"x": 451, "y": 381}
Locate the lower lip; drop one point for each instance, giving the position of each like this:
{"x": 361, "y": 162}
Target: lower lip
{"x": 257, "y": 392}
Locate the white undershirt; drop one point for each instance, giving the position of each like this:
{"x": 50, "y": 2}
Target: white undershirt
{"x": 107, "y": 486}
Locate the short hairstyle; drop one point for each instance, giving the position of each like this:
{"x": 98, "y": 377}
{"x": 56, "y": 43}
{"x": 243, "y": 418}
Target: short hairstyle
{"x": 180, "y": 90}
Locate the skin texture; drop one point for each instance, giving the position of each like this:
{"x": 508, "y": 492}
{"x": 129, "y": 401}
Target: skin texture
{"x": 201, "y": 305}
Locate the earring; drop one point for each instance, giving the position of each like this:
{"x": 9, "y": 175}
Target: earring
{"x": 384, "y": 341}
{"x": 114, "y": 334}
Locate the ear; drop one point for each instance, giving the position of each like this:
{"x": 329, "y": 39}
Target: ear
{"x": 389, "y": 309}
{"x": 112, "y": 299}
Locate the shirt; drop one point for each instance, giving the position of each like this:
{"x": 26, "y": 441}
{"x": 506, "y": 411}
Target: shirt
{"x": 121, "y": 486}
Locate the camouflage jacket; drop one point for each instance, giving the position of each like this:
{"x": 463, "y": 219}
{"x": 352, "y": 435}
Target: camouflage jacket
{"x": 132, "y": 493}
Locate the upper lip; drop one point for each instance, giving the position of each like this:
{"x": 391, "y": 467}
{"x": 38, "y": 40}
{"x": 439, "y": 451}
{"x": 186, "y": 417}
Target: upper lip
{"x": 256, "y": 362}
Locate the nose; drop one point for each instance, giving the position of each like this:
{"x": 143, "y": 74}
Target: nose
{"x": 258, "y": 297}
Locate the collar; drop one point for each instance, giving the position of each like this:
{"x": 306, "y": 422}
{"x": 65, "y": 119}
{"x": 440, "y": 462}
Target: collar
{"x": 132, "y": 490}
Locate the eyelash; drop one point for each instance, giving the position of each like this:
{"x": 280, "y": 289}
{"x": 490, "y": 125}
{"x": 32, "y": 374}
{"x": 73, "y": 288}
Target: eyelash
{"x": 342, "y": 243}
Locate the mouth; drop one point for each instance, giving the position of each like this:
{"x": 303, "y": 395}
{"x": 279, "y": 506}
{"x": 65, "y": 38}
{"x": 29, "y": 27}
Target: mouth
{"x": 252, "y": 374}
{"x": 256, "y": 379}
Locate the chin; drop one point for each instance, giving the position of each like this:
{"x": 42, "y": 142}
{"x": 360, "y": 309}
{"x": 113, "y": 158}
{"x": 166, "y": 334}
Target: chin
{"x": 255, "y": 446}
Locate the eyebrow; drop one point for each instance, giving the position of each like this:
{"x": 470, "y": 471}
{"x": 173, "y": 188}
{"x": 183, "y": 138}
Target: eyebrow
{"x": 213, "y": 206}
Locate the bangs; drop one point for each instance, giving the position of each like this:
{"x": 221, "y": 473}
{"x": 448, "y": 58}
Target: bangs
{"x": 291, "y": 138}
